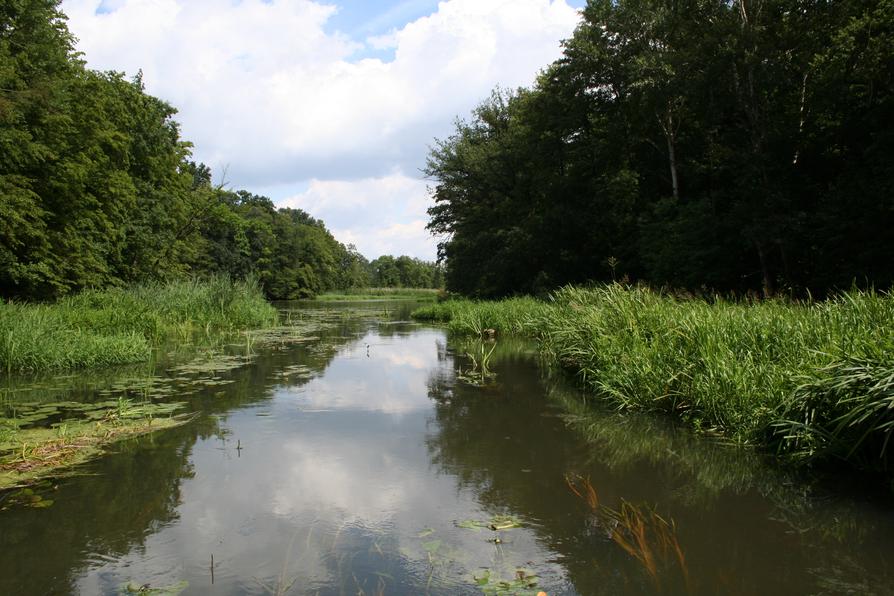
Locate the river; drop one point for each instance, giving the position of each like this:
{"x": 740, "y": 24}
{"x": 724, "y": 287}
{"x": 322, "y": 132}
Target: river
{"x": 372, "y": 455}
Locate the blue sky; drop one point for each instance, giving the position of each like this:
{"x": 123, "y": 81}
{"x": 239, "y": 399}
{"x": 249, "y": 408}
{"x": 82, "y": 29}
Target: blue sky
{"x": 362, "y": 18}
{"x": 326, "y": 105}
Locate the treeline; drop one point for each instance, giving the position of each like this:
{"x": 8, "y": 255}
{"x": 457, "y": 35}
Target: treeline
{"x": 730, "y": 145}
{"x": 404, "y": 272}
{"x": 97, "y": 188}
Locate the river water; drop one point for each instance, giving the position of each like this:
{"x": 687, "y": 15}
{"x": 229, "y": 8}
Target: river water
{"x": 371, "y": 455}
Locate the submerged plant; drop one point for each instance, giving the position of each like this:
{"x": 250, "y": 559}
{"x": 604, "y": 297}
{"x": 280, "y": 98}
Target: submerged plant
{"x": 638, "y": 529}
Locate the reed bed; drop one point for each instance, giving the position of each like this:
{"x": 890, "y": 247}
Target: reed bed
{"x": 120, "y": 325}
{"x": 812, "y": 381}
{"x": 518, "y": 316}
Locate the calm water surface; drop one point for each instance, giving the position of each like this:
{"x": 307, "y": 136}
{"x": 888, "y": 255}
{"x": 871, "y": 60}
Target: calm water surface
{"x": 372, "y": 458}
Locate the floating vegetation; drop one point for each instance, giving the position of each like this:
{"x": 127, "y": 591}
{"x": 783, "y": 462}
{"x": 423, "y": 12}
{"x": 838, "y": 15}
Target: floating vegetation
{"x": 211, "y": 363}
{"x": 523, "y": 582}
{"x": 27, "y": 497}
{"x": 496, "y": 523}
{"x": 296, "y": 372}
{"x": 131, "y": 588}
{"x": 43, "y": 440}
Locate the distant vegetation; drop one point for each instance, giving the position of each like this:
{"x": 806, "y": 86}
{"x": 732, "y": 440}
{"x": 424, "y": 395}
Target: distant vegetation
{"x": 381, "y": 294}
{"x": 813, "y": 381}
{"x": 731, "y": 145}
{"x": 117, "y": 326}
{"x": 98, "y": 189}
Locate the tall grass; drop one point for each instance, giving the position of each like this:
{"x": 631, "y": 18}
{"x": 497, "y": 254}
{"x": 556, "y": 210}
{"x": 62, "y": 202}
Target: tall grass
{"x": 812, "y": 381}
{"x": 120, "y": 325}
{"x": 519, "y": 316}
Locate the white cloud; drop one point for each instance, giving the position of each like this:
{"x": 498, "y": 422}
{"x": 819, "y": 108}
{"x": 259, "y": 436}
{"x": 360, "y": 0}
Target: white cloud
{"x": 263, "y": 89}
{"x": 384, "y": 215}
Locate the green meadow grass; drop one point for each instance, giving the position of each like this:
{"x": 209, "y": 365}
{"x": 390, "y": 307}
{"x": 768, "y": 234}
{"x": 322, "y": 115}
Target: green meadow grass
{"x": 812, "y": 381}
{"x": 120, "y": 325}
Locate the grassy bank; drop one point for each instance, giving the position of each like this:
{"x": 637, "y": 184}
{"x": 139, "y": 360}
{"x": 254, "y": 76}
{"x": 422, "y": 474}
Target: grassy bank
{"x": 379, "y": 294}
{"x": 814, "y": 382}
{"x": 117, "y": 326}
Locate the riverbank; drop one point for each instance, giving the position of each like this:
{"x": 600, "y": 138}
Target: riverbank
{"x": 97, "y": 328}
{"x": 813, "y": 382}
{"x": 371, "y": 294}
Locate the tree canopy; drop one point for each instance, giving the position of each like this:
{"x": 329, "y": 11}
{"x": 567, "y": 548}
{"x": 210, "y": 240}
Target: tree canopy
{"x": 98, "y": 187}
{"x": 727, "y": 145}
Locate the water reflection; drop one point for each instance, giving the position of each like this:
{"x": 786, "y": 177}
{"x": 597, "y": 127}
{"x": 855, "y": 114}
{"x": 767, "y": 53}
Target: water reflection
{"x": 744, "y": 526}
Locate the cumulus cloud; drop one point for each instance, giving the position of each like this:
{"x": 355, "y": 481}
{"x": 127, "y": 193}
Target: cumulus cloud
{"x": 266, "y": 90}
{"x": 384, "y": 215}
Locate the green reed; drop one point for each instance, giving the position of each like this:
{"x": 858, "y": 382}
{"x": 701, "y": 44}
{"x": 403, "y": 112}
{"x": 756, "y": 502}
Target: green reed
{"x": 813, "y": 381}
{"x": 120, "y": 325}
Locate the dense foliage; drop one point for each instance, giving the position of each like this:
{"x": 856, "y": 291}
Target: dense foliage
{"x": 728, "y": 144}
{"x": 98, "y": 189}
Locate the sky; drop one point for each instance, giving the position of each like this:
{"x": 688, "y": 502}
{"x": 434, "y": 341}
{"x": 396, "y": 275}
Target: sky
{"x": 329, "y": 106}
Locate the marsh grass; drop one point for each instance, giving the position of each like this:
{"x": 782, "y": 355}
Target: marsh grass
{"x": 120, "y": 325}
{"x": 520, "y": 316}
{"x": 813, "y": 381}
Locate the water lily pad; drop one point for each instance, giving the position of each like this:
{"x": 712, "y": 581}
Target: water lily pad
{"x": 504, "y": 522}
{"x": 147, "y": 590}
{"x": 471, "y": 524}
{"x": 432, "y": 546}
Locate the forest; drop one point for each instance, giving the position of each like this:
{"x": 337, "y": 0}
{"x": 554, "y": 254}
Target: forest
{"x": 99, "y": 189}
{"x": 732, "y": 147}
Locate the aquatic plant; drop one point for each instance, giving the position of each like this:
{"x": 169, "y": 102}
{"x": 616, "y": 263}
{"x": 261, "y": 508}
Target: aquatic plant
{"x": 38, "y": 447}
{"x": 131, "y": 588}
{"x": 523, "y": 582}
{"x": 811, "y": 381}
{"x": 479, "y": 373}
{"x": 120, "y": 325}
{"x": 638, "y": 529}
